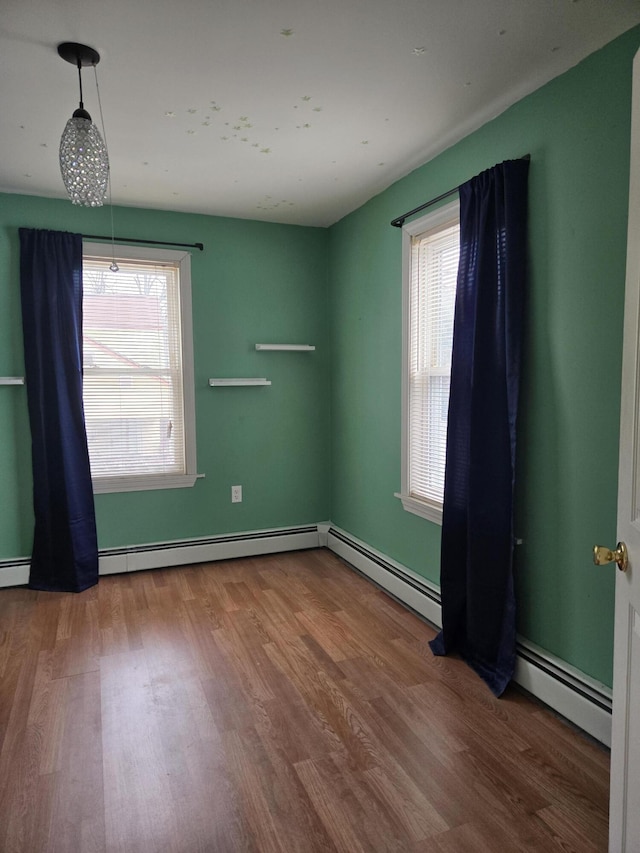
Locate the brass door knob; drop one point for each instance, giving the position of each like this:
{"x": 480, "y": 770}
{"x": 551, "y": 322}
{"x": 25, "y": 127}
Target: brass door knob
{"x": 602, "y": 556}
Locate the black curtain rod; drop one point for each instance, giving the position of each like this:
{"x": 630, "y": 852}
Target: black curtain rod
{"x": 398, "y": 222}
{"x": 147, "y": 242}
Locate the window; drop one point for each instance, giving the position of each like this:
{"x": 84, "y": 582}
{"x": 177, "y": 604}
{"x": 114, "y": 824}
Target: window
{"x": 431, "y": 250}
{"x": 138, "y": 368}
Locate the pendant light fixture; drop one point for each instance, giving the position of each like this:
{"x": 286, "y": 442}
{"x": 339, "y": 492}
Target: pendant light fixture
{"x": 84, "y": 161}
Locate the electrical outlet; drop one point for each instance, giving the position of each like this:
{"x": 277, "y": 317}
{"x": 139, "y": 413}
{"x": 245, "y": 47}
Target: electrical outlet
{"x": 236, "y": 494}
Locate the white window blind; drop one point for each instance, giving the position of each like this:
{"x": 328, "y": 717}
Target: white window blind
{"x": 133, "y": 368}
{"x": 434, "y": 269}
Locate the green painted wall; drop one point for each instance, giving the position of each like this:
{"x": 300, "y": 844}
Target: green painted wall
{"x": 254, "y": 283}
{"x": 576, "y": 129}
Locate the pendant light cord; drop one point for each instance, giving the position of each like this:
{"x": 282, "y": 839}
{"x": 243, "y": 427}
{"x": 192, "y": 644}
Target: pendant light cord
{"x": 114, "y": 265}
{"x": 80, "y": 82}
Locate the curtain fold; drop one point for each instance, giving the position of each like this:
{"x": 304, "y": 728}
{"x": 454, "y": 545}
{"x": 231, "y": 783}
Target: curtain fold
{"x": 478, "y": 601}
{"x": 65, "y": 550}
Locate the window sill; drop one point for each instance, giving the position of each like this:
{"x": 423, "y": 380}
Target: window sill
{"x": 104, "y": 485}
{"x": 430, "y": 511}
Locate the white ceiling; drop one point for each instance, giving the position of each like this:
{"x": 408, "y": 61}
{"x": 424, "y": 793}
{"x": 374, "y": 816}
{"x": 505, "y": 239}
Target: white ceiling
{"x": 283, "y": 110}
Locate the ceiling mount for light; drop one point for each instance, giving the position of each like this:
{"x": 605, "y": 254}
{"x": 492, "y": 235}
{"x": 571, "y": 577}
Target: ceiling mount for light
{"x": 76, "y": 53}
{"x": 84, "y": 162}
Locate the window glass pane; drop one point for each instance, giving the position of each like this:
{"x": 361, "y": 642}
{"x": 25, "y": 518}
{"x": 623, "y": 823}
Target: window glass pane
{"x": 133, "y": 390}
{"x": 434, "y": 269}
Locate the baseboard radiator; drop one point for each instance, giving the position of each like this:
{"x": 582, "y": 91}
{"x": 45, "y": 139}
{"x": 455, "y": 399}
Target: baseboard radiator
{"x": 571, "y": 693}
{"x": 160, "y": 555}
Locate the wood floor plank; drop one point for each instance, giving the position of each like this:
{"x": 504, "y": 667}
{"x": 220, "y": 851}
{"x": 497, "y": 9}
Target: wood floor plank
{"x": 77, "y": 808}
{"x": 280, "y": 703}
{"x": 333, "y": 710}
{"x": 46, "y": 718}
{"x": 566, "y": 829}
{"x": 299, "y": 825}
{"x": 336, "y": 806}
{"x": 255, "y": 782}
{"x": 138, "y": 802}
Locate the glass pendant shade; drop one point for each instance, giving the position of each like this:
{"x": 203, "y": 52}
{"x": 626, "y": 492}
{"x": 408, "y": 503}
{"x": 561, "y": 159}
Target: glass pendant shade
{"x": 84, "y": 162}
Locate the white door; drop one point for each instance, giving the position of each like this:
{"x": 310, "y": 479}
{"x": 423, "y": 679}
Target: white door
{"x": 624, "y": 833}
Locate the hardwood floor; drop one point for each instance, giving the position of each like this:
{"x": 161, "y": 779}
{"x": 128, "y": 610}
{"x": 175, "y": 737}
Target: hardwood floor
{"x": 280, "y": 703}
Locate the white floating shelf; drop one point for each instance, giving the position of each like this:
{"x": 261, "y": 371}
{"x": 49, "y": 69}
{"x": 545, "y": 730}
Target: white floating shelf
{"x": 240, "y": 382}
{"x": 289, "y": 347}
{"x": 11, "y": 380}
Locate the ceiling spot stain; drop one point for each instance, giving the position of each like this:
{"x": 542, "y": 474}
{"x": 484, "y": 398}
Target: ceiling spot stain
{"x": 26, "y": 175}
{"x": 380, "y": 164}
{"x": 555, "y": 49}
{"x": 418, "y": 51}
{"x": 191, "y": 132}
{"x": 317, "y": 109}
{"x": 268, "y": 203}
{"x": 255, "y": 145}
{"x": 305, "y": 98}
{"x": 215, "y": 109}
{"x": 224, "y": 138}
{"x": 206, "y": 124}
{"x": 43, "y": 145}
{"x": 170, "y": 114}
{"x": 192, "y": 110}
{"x": 265, "y": 151}
{"x": 237, "y": 127}
{"x": 244, "y": 139}
{"x": 364, "y": 142}
{"x": 286, "y": 32}
{"x": 502, "y": 32}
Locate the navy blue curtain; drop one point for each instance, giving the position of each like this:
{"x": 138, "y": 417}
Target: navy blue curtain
{"x": 478, "y": 603}
{"x": 65, "y": 550}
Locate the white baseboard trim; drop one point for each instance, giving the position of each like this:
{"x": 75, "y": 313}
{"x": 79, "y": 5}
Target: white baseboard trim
{"x": 225, "y": 547}
{"x": 573, "y": 694}
{"x": 166, "y": 554}
{"x": 14, "y": 572}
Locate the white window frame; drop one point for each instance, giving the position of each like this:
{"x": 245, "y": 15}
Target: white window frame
{"x": 442, "y": 217}
{"x": 145, "y": 482}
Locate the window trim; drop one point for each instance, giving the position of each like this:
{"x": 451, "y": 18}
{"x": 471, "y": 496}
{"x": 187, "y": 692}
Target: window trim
{"x": 146, "y": 482}
{"x": 443, "y": 216}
